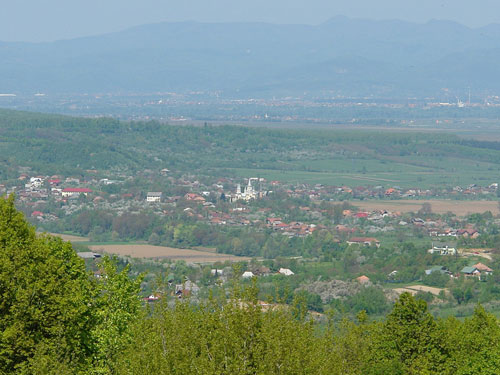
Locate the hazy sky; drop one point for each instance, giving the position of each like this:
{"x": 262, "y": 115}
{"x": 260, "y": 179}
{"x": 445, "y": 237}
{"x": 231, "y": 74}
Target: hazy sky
{"x": 41, "y": 20}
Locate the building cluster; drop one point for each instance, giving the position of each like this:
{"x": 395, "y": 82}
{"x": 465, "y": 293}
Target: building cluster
{"x": 322, "y": 192}
{"x": 478, "y": 270}
{"x": 36, "y": 191}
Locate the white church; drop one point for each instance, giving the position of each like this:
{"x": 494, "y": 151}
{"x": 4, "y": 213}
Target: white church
{"x": 248, "y": 193}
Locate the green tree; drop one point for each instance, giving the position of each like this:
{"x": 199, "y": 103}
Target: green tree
{"x": 116, "y": 305}
{"x": 44, "y": 296}
{"x": 474, "y": 344}
{"x": 55, "y": 317}
{"x": 410, "y": 341}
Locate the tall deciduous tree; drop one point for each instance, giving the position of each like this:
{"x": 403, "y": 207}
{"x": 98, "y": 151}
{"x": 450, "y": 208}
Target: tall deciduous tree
{"x": 410, "y": 341}
{"x": 44, "y": 296}
{"x": 55, "y": 317}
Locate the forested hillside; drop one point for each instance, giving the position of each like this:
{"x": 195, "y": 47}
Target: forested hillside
{"x": 53, "y": 144}
{"x": 55, "y": 318}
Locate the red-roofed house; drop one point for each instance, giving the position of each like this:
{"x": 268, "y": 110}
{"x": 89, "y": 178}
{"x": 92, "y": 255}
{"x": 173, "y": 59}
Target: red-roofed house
{"x": 360, "y": 215}
{"x": 281, "y": 226}
{"x": 390, "y": 191}
{"x": 273, "y": 221}
{"x": 363, "y": 279}
{"x": 483, "y": 268}
{"x": 194, "y": 197}
{"x": 472, "y": 233}
{"x": 54, "y": 182}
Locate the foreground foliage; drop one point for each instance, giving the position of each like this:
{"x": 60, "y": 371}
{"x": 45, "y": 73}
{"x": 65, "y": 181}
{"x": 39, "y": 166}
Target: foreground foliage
{"x": 55, "y": 318}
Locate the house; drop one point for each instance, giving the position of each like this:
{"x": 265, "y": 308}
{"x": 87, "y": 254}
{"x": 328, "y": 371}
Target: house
{"x": 367, "y": 241}
{"x": 154, "y": 197}
{"x": 442, "y": 250}
{"x": 71, "y": 192}
{"x": 217, "y": 220}
{"x": 194, "y": 197}
{"x": 281, "y": 226}
{"x": 262, "y": 271}
{"x": 186, "y": 289}
{"x": 286, "y": 272}
{"x": 273, "y": 221}
{"x": 468, "y": 233}
{"x": 344, "y": 229}
{"x": 361, "y": 215}
{"x": 247, "y": 274}
{"x": 88, "y": 255}
{"x": 484, "y": 269}
{"x": 470, "y": 271}
{"x": 390, "y": 191}
{"x": 37, "y": 214}
{"x": 392, "y": 274}
{"x": 440, "y": 269}
{"x": 152, "y": 298}
{"x": 363, "y": 279}
{"x": 54, "y": 181}
{"x": 35, "y": 182}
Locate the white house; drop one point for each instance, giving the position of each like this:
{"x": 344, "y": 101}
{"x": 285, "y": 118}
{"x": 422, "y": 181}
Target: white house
{"x": 69, "y": 192}
{"x": 247, "y": 274}
{"x": 36, "y": 182}
{"x": 442, "y": 250}
{"x": 286, "y": 272}
{"x": 153, "y": 197}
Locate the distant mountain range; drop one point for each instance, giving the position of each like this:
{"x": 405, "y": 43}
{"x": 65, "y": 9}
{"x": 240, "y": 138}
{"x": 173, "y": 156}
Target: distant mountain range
{"x": 342, "y": 56}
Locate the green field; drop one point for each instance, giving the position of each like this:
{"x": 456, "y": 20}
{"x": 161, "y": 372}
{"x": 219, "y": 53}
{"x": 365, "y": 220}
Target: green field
{"x": 403, "y": 179}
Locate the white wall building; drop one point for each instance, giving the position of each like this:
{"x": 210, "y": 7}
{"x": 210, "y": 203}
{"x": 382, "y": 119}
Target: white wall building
{"x": 154, "y": 197}
{"x": 286, "y": 272}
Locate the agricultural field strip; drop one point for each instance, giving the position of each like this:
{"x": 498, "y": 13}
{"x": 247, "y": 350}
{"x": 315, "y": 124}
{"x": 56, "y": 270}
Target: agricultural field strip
{"x": 70, "y": 238}
{"x": 414, "y": 289}
{"x": 149, "y": 251}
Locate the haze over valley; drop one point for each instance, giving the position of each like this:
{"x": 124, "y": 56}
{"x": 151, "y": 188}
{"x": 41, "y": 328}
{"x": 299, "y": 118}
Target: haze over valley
{"x": 341, "y": 57}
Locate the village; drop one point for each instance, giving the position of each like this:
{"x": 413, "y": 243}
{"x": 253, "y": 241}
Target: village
{"x": 226, "y": 203}
{"x": 277, "y": 211}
